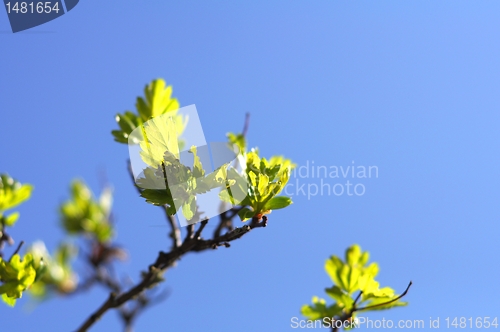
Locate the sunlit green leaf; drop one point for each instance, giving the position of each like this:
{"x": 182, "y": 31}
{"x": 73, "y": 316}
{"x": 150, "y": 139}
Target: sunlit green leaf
{"x": 157, "y": 100}
{"x": 12, "y": 193}
{"x": 11, "y": 219}
{"x": 278, "y": 202}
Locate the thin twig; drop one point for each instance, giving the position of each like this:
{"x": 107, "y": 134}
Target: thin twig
{"x": 203, "y": 223}
{"x": 175, "y": 233}
{"x": 245, "y": 126}
{"x": 163, "y": 262}
{"x": 356, "y": 301}
{"x": 348, "y": 315}
{"x": 98, "y": 313}
{"x": 388, "y": 302}
{"x": 17, "y": 250}
{"x": 189, "y": 232}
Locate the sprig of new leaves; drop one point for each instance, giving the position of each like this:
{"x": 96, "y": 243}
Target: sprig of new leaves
{"x": 174, "y": 185}
{"x": 157, "y": 101}
{"x": 265, "y": 179}
{"x": 350, "y": 277}
{"x": 84, "y": 215}
{"x": 16, "y": 274}
{"x": 12, "y": 193}
{"x": 38, "y": 271}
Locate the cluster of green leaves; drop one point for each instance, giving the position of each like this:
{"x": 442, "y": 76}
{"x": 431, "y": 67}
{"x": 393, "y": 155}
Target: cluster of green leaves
{"x": 84, "y": 215}
{"x": 184, "y": 183}
{"x": 17, "y": 275}
{"x": 255, "y": 190}
{"x": 265, "y": 179}
{"x": 56, "y": 273}
{"x": 157, "y": 101}
{"x": 12, "y": 193}
{"x": 350, "y": 277}
{"x": 166, "y": 181}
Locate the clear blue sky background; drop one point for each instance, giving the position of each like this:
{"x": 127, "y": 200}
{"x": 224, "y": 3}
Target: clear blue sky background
{"x": 409, "y": 86}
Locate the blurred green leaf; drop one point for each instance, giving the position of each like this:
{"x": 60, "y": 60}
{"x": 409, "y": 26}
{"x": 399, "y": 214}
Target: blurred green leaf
{"x": 319, "y": 309}
{"x": 11, "y": 219}
{"x": 16, "y": 276}
{"x": 54, "y": 273}
{"x": 238, "y": 140}
{"x": 12, "y": 193}
{"x": 85, "y": 215}
{"x": 278, "y": 202}
{"x": 127, "y": 123}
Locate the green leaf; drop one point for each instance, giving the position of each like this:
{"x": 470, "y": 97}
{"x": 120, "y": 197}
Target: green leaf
{"x": 158, "y": 100}
{"x": 245, "y": 214}
{"x": 157, "y": 196}
{"x": 332, "y": 267}
{"x": 363, "y": 260}
{"x": 10, "y": 301}
{"x": 198, "y": 170}
{"x": 278, "y": 202}
{"x": 319, "y": 309}
{"x": 16, "y": 275}
{"x": 53, "y": 273}
{"x": 380, "y": 300}
{"x": 343, "y": 299}
{"x": 13, "y": 193}
{"x": 11, "y": 219}
{"x": 263, "y": 182}
{"x": 160, "y": 137}
{"x": 82, "y": 213}
{"x": 127, "y": 123}
{"x": 238, "y": 140}
{"x": 352, "y": 279}
{"x": 353, "y": 255}
{"x": 189, "y": 208}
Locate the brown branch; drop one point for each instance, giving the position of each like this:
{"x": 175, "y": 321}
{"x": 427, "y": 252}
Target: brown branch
{"x": 98, "y": 313}
{"x": 17, "y": 250}
{"x": 203, "y": 223}
{"x": 175, "y": 233}
{"x": 189, "y": 232}
{"x": 4, "y": 238}
{"x": 166, "y": 260}
{"x": 245, "y": 126}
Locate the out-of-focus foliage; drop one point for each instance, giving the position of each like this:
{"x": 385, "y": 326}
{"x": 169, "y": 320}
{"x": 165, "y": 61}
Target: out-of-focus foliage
{"x": 82, "y": 214}
{"x": 349, "y": 277}
{"x": 16, "y": 276}
{"x": 12, "y": 193}
{"x": 57, "y": 274}
{"x": 157, "y": 100}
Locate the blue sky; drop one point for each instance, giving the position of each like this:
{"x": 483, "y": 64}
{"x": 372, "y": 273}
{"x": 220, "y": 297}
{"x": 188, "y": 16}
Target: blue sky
{"x": 410, "y": 87}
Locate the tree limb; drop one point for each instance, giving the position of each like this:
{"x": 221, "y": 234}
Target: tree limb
{"x": 165, "y": 260}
